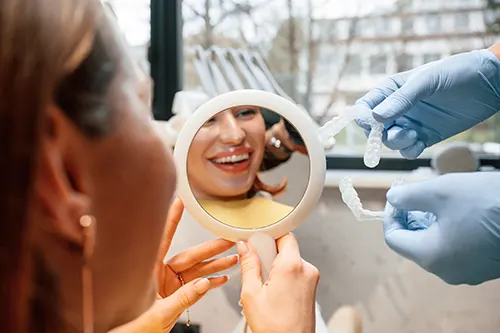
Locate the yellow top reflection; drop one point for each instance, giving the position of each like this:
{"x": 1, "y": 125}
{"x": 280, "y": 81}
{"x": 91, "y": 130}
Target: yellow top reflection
{"x": 250, "y": 213}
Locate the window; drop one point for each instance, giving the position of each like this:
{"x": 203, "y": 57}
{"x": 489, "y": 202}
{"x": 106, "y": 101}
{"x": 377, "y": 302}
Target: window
{"x": 264, "y": 27}
{"x": 328, "y": 56}
{"x": 462, "y": 21}
{"x": 382, "y": 26}
{"x": 404, "y": 62}
{"x": 327, "y": 62}
{"x": 353, "y": 65}
{"x": 430, "y": 57}
{"x": 133, "y": 19}
{"x": 378, "y": 64}
{"x": 327, "y": 31}
{"x": 407, "y": 26}
{"x": 469, "y": 3}
{"x": 404, "y": 5}
{"x": 358, "y": 27}
{"x": 433, "y": 23}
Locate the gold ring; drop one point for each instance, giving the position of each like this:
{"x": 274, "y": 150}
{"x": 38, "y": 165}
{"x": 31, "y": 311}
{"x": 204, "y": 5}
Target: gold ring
{"x": 179, "y": 276}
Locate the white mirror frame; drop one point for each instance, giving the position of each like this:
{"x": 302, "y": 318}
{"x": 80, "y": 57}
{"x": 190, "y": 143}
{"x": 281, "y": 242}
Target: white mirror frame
{"x": 284, "y": 108}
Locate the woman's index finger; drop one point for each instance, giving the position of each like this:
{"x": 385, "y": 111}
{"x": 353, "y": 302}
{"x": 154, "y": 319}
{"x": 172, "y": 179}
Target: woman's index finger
{"x": 173, "y": 219}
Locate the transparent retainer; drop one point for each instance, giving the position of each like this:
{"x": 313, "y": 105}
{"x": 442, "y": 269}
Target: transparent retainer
{"x": 351, "y": 199}
{"x": 373, "y": 151}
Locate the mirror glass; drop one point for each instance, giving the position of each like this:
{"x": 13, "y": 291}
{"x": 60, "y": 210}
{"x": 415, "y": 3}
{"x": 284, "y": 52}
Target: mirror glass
{"x": 248, "y": 167}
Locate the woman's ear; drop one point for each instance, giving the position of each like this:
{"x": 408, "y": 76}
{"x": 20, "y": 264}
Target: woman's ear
{"x": 56, "y": 185}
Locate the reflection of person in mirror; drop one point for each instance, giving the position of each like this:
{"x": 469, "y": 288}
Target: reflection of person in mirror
{"x": 282, "y": 140}
{"x": 223, "y": 164}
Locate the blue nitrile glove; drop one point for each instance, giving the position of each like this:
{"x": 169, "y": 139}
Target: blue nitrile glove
{"x": 450, "y": 226}
{"x": 436, "y": 101}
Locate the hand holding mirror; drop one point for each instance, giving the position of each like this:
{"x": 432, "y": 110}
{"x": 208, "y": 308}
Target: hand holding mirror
{"x": 233, "y": 179}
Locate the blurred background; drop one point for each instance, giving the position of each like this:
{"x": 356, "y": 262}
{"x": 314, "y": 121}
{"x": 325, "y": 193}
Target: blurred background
{"x": 325, "y": 54}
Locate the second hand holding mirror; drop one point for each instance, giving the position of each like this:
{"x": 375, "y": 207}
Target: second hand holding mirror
{"x": 232, "y": 156}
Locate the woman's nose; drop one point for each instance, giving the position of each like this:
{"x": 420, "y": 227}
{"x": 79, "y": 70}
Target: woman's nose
{"x": 231, "y": 132}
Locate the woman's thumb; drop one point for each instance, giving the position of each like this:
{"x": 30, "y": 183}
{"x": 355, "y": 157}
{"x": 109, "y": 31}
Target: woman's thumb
{"x": 251, "y": 278}
{"x": 185, "y": 297}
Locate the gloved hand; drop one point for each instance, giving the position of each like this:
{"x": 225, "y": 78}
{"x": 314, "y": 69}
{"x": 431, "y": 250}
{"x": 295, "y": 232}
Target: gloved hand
{"x": 450, "y": 226}
{"x": 431, "y": 103}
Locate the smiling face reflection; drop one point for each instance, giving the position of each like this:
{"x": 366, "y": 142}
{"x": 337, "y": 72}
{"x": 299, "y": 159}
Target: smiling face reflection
{"x": 226, "y": 154}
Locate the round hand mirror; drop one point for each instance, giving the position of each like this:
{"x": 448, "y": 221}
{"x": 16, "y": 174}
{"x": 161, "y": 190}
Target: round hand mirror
{"x": 234, "y": 157}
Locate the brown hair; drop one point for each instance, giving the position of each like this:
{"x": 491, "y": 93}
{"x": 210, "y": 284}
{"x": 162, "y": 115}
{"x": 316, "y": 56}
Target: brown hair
{"x": 259, "y": 185}
{"x": 38, "y": 41}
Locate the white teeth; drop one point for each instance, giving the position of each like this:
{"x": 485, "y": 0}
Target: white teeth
{"x": 231, "y": 159}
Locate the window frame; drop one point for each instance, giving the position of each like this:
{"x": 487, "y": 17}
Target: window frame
{"x": 165, "y": 57}
{"x": 334, "y": 162}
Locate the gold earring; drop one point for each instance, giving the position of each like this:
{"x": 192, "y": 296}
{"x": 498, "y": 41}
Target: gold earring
{"x": 87, "y": 222}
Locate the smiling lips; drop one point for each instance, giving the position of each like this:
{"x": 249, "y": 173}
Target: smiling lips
{"x": 234, "y": 161}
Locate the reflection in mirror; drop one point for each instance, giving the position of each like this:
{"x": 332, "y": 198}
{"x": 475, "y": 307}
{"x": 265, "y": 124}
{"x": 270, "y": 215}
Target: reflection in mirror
{"x": 248, "y": 167}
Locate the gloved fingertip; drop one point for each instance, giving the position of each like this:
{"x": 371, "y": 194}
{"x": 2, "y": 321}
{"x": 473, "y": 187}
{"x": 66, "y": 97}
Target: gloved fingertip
{"x": 381, "y": 117}
{"x": 394, "y": 194}
{"x": 361, "y": 102}
{"x": 363, "y": 124}
{"x": 399, "y": 138}
{"x": 411, "y": 134}
{"x": 414, "y": 151}
{"x": 408, "y": 155}
{"x": 394, "y": 106}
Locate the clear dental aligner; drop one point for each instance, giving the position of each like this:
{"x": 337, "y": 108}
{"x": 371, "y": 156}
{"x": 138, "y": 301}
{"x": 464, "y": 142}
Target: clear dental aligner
{"x": 351, "y": 199}
{"x": 373, "y": 151}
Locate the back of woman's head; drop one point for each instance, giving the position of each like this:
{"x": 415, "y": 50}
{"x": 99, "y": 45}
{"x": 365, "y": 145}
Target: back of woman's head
{"x": 38, "y": 38}
{"x": 76, "y": 140}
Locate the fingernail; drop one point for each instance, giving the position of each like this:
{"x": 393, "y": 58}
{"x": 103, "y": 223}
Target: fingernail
{"x": 202, "y": 286}
{"x": 242, "y": 248}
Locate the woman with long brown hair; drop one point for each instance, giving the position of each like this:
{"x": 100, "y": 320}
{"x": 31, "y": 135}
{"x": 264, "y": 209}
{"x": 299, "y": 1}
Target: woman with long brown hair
{"x": 85, "y": 186}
